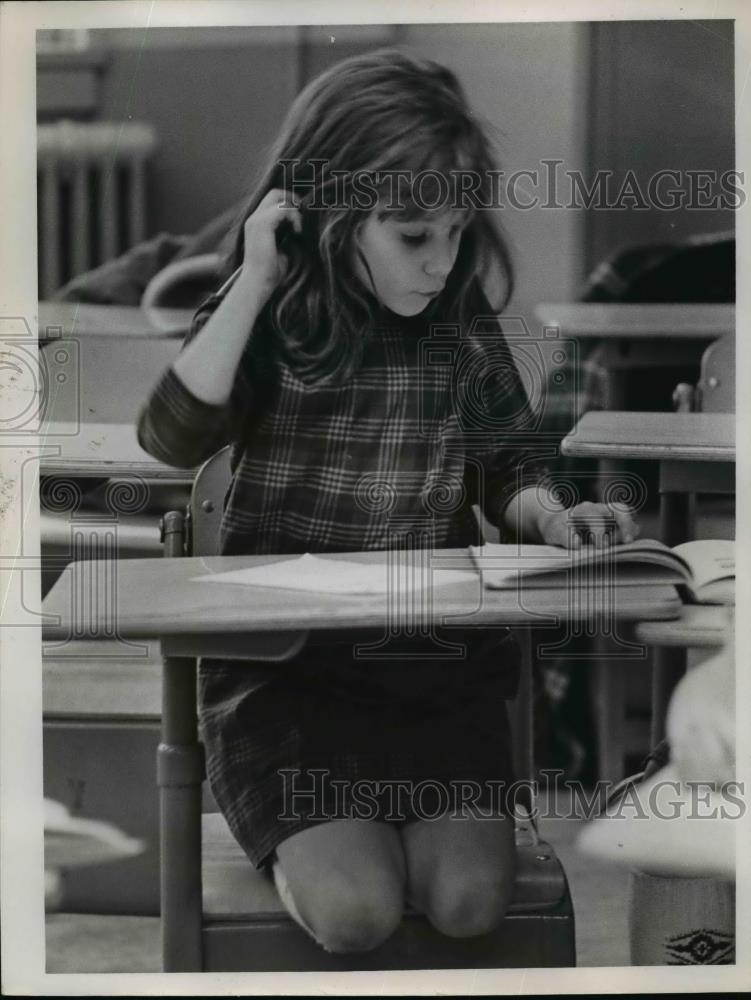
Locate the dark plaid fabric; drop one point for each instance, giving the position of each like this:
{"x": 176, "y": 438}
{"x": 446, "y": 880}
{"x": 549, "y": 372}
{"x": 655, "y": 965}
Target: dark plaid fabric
{"x": 431, "y": 423}
{"x": 336, "y": 728}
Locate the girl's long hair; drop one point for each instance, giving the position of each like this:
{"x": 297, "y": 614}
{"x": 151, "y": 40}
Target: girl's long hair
{"x": 384, "y": 111}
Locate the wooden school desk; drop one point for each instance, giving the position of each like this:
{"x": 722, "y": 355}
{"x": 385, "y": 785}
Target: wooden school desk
{"x": 636, "y": 335}
{"x": 100, "y": 451}
{"x": 159, "y": 598}
{"x": 74, "y": 461}
{"x": 696, "y": 452}
{"x": 60, "y": 320}
{"x": 101, "y": 378}
{"x": 700, "y": 626}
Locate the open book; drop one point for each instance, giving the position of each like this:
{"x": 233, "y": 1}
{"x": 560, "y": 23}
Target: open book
{"x": 706, "y": 568}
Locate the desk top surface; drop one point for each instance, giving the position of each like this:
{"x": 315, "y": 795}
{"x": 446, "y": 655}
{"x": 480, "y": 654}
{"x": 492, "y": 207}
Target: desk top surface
{"x": 100, "y": 450}
{"x": 158, "y": 598}
{"x": 638, "y": 320}
{"x": 707, "y": 437}
{"x": 74, "y": 319}
{"x": 700, "y": 626}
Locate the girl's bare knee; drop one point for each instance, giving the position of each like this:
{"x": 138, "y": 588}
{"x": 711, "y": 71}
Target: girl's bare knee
{"x": 468, "y": 908}
{"x": 351, "y": 923}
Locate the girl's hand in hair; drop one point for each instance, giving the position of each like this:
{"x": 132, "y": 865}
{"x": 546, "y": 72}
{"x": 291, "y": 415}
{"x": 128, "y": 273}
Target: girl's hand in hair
{"x": 264, "y": 265}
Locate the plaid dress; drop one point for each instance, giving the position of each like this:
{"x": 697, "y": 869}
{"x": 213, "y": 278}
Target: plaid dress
{"x": 434, "y": 420}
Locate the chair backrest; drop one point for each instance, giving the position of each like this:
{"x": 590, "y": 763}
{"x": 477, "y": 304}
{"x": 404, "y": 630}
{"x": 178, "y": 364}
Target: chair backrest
{"x": 206, "y": 503}
{"x": 716, "y": 388}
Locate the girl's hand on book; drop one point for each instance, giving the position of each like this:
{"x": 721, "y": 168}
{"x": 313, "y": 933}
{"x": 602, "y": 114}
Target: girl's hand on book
{"x": 264, "y": 265}
{"x": 588, "y": 523}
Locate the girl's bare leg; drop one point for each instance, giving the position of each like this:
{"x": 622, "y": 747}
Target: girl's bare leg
{"x": 344, "y": 881}
{"x": 460, "y": 872}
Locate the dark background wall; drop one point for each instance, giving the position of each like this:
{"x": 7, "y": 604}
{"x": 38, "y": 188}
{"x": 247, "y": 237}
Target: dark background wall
{"x": 661, "y": 97}
{"x": 615, "y": 96}
{"x": 215, "y": 107}
{"x": 217, "y": 98}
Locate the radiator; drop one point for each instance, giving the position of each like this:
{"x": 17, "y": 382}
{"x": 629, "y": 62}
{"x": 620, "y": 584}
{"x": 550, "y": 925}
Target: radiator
{"x": 91, "y": 195}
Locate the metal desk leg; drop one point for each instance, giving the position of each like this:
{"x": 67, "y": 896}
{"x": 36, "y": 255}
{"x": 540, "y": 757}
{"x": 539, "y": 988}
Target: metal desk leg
{"x": 522, "y": 713}
{"x": 676, "y": 512}
{"x": 180, "y": 770}
{"x": 610, "y": 701}
{"x": 675, "y": 517}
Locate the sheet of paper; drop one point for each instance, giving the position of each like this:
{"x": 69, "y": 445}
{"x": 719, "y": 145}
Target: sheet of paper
{"x": 339, "y": 576}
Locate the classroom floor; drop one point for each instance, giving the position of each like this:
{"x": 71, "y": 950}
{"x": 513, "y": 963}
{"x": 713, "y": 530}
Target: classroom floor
{"x": 88, "y": 943}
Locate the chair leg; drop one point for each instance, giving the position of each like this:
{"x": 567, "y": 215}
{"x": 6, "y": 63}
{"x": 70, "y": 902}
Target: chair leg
{"x": 610, "y": 708}
{"x": 180, "y": 770}
{"x": 522, "y": 709}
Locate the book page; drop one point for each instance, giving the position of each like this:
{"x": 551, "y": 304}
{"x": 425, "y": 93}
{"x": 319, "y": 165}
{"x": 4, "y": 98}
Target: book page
{"x": 709, "y": 559}
{"x": 503, "y": 565}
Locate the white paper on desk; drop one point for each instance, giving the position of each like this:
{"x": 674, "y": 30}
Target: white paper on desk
{"x": 339, "y": 576}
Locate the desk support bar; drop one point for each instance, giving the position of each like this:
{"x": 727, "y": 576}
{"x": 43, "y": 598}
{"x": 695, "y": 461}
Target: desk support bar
{"x": 180, "y": 773}
{"x": 180, "y": 769}
{"x": 521, "y": 718}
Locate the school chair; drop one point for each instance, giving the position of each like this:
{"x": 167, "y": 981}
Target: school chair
{"x": 715, "y": 390}
{"x": 219, "y": 913}
{"x": 713, "y": 393}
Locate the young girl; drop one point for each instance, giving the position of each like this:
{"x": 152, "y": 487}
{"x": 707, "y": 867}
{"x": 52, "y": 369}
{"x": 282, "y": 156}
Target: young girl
{"x": 347, "y": 436}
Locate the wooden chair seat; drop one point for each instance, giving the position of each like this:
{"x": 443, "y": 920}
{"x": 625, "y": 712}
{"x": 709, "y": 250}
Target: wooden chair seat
{"x": 247, "y": 928}
{"x": 234, "y": 890}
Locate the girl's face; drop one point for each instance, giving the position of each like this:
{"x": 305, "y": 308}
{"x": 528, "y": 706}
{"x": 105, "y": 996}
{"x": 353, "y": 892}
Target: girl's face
{"x": 408, "y": 260}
